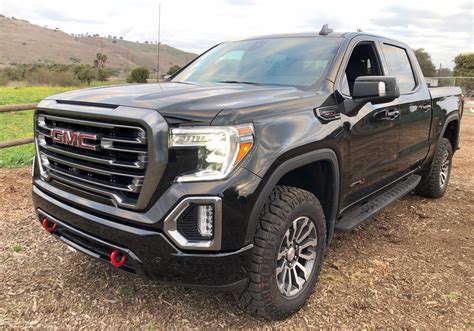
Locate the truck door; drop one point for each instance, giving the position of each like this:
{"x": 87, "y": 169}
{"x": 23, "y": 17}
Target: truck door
{"x": 415, "y": 105}
{"x": 373, "y": 133}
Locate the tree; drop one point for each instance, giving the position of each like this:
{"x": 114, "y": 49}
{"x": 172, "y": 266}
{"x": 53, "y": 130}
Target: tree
{"x": 85, "y": 73}
{"x": 445, "y": 72}
{"x": 100, "y": 61}
{"x": 426, "y": 64}
{"x": 138, "y": 75}
{"x": 173, "y": 69}
{"x": 102, "y": 75}
{"x": 464, "y": 67}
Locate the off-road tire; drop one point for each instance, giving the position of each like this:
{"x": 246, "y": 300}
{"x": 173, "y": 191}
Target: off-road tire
{"x": 430, "y": 184}
{"x": 262, "y": 296}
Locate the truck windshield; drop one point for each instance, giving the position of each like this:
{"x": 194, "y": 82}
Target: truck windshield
{"x": 288, "y": 61}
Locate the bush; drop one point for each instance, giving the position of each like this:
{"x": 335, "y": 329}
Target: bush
{"x": 138, "y": 75}
{"x": 54, "y": 74}
{"x": 173, "y": 69}
{"x": 85, "y": 73}
{"x": 58, "y": 76}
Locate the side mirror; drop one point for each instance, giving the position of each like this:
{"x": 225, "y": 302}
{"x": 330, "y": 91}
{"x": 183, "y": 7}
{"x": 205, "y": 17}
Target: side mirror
{"x": 166, "y": 78}
{"x": 375, "y": 89}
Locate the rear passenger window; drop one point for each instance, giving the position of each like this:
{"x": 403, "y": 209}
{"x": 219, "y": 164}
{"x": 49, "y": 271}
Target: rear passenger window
{"x": 400, "y": 67}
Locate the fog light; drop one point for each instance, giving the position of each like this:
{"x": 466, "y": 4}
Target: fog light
{"x": 206, "y": 221}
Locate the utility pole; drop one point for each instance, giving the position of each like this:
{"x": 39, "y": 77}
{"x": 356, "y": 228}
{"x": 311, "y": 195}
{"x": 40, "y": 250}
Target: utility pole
{"x": 159, "y": 43}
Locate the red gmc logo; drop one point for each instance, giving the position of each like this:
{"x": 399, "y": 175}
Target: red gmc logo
{"x": 73, "y": 138}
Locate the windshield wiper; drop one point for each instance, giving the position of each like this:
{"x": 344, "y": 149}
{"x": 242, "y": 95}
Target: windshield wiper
{"x": 237, "y": 82}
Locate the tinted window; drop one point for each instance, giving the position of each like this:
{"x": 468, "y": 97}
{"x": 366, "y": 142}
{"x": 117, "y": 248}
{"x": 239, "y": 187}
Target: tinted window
{"x": 400, "y": 67}
{"x": 363, "y": 62}
{"x": 293, "y": 61}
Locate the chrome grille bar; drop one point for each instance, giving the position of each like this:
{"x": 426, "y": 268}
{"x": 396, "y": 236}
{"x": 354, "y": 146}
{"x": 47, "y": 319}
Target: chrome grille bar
{"x": 116, "y": 168}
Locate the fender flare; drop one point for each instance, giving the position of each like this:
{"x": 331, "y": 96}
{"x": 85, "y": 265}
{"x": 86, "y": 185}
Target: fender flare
{"x": 451, "y": 117}
{"x": 325, "y": 154}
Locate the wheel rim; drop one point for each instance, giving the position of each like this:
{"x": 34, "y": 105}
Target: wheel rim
{"x": 296, "y": 257}
{"x": 444, "y": 173}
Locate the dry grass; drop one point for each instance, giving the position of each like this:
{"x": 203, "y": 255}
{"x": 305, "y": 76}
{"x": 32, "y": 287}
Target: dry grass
{"x": 410, "y": 267}
{"x": 22, "y": 42}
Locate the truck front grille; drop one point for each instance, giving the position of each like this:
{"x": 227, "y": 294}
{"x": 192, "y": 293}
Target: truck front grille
{"x": 101, "y": 157}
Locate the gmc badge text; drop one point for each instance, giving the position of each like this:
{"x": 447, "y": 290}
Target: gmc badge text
{"x": 236, "y": 171}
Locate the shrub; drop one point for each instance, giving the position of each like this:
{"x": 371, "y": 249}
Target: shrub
{"x": 51, "y": 76}
{"x": 173, "y": 69}
{"x": 138, "y": 75}
{"x": 85, "y": 73}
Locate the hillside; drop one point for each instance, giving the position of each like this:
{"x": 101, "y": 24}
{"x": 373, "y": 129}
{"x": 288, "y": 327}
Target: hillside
{"x": 26, "y": 43}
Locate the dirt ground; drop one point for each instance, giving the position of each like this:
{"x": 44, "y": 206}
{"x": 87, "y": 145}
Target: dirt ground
{"x": 409, "y": 267}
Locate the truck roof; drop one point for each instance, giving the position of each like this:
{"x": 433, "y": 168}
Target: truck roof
{"x": 349, "y": 35}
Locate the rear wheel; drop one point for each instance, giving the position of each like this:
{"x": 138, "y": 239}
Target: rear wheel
{"x": 288, "y": 250}
{"x": 435, "y": 180}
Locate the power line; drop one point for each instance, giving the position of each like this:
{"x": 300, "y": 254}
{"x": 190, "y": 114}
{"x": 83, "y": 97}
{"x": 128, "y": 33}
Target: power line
{"x": 159, "y": 43}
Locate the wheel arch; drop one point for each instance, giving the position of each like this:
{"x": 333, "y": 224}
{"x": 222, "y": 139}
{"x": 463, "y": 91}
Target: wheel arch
{"x": 450, "y": 130}
{"x": 274, "y": 177}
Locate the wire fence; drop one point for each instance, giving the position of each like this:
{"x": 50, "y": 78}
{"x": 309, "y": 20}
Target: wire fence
{"x": 465, "y": 83}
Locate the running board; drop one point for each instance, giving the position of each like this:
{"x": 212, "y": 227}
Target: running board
{"x": 348, "y": 222}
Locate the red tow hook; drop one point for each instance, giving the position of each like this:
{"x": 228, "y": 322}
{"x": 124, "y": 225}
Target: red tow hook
{"x": 114, "y": 258}
{"x": 47, "y": 226}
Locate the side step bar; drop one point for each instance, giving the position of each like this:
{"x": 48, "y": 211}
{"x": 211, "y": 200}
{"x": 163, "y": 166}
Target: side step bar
{"x": 348, "y": 222}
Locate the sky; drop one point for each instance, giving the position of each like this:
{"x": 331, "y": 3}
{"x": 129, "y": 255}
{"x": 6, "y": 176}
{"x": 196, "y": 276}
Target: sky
{"x": 443, "y": 28}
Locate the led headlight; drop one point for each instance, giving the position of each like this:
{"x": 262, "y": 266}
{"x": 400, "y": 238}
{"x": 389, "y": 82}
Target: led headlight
{"x": 220, "y": 149}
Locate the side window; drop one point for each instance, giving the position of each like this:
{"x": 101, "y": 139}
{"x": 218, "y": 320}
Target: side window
{"x": 363, "y": 62}
{"x": 400, "y": 67}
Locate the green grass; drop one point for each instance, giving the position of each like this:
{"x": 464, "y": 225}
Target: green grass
{"x": 16, "y": 125}
{"x": 17, "y": 95}
{"x": 13, "y": 126}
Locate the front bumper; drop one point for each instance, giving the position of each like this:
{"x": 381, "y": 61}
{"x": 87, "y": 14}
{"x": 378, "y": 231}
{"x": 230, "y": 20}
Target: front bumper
{"x": 149, "y": 252}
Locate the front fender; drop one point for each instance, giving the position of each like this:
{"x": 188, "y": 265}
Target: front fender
{"x": 275, "y": 174}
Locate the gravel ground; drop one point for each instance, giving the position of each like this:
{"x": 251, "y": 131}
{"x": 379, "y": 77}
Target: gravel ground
{"x": 409, "y": 267}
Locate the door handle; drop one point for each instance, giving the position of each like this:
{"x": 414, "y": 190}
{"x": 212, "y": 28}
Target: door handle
{"x": 425, "y": 107}
{"x": 392, "y": 114}
{"x": 386, "y": 115}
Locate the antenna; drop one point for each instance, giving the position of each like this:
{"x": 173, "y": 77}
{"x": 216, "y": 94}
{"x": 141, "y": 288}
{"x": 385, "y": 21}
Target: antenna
{"x": 325, "y": 30}
{"x": 159, "y": 42}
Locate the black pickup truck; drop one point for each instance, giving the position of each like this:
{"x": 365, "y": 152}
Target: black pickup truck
{"x": 236, "y": 172}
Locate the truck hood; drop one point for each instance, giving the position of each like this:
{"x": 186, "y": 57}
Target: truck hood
{"x": 179, "y": 102}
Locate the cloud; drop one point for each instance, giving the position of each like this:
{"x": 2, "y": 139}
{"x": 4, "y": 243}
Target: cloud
{"x": 241, "y": 2}
{"x": 443, "y": 28}
{"x": 404, "y": 16}
{"x": 61, "y": 16}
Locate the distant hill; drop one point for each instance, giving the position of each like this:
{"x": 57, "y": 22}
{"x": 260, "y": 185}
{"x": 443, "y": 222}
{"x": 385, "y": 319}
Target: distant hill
{"x": 26, "y": 43}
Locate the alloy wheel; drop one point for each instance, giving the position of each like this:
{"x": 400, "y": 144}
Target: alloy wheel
{"x": 296, "y": 257}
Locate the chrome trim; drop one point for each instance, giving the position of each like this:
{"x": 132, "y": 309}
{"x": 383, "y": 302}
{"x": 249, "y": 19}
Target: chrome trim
{"x": 135, "y": 165}
{"x": 117, "y": 199}
{"x": 152, "y": 133}
{"x": 42, "y": 123}
{"x": 91, "y": 169}
{"x": 75, "y": 182}
{"x": 170, "y": 225}
{"x": 109, "y": 145}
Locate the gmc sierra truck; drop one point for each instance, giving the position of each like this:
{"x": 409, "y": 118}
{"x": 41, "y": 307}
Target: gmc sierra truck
{"x": 236, "y": 171}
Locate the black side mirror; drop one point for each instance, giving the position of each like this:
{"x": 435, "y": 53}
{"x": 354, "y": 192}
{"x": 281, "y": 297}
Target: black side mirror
{"x": 375, "y": 89}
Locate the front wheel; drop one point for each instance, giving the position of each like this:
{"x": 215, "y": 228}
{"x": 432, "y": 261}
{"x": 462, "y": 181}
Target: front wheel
{"x": 288, "y": 250}
{"x": 435, "y": 181}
